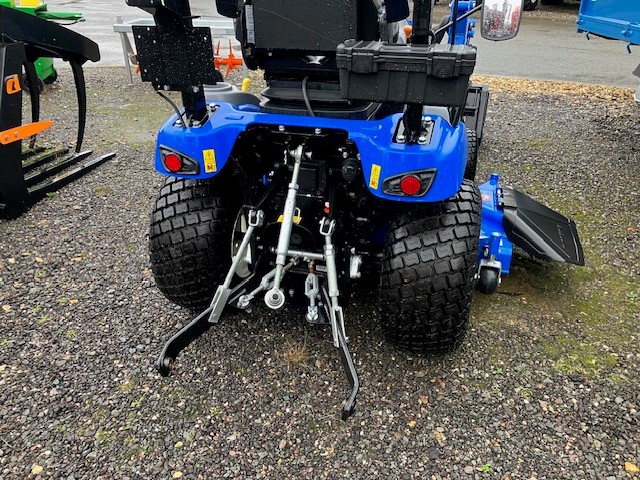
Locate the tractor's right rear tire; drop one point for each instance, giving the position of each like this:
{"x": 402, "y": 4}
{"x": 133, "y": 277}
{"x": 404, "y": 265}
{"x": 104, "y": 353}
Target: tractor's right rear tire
{"x": 472, "y": 158}
{"x": 531, "y": 4}
{"x": 428, "y": 269}
{"x": 190, "y": 239}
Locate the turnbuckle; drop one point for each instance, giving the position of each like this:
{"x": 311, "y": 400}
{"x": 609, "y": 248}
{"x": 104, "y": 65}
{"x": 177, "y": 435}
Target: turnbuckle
{"x": 274, "y": 298}
{"x": 311, "y": 290}
{"x": 327, "y": 227}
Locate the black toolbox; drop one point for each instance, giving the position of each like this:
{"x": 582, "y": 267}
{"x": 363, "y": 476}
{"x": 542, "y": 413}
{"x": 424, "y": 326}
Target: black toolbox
{"x": 420, "y": 74}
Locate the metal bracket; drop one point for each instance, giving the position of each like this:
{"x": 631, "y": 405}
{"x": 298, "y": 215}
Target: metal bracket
{"x": 347, "y": 362}
{"x": 311, "y": 290}
{"x": 327, "y": 227}
{"x": 221, "y": 297}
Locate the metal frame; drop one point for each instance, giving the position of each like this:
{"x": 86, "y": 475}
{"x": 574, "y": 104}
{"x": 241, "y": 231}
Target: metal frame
{"x": 26, "y": 177}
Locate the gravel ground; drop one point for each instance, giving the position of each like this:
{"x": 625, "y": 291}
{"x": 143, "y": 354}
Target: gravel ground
{"x": 546, "y": 385}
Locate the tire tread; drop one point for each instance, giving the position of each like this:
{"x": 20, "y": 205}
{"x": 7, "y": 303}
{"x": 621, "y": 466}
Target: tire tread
{"x": 189, "y": 239}
{"x": 428, "y": 270}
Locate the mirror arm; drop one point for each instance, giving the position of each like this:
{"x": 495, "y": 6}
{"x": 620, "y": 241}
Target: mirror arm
{"x": 475, "y": 9}
{"x": 421, "y": 22}
{"x": 456, "y": 4}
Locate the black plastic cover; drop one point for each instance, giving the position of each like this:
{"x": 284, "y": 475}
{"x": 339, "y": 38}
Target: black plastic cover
{"x": 421, "y": 74}
{"x": 309, "y": 25}
{"x": 397, "y": 10}
{"x": 540, "y": 231}
{"x": 228, "y": 8}
{"x": 175, "y": 55}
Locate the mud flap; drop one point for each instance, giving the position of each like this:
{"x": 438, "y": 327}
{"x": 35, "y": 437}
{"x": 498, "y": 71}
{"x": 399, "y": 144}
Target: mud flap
{"x": 539, "y": 230}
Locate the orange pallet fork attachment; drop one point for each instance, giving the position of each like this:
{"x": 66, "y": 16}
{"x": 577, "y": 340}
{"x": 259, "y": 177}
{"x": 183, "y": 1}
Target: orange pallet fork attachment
{"x": 23, "y": 131}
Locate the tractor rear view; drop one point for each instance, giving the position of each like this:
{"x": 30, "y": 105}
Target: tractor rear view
{"x": 359, "y": 159}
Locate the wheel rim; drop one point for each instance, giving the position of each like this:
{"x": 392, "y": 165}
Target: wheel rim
{"x": 239, "y": 229}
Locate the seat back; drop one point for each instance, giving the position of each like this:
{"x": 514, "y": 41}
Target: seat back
{"x": 293, "y": 38}
{"x": 304, "y": 26}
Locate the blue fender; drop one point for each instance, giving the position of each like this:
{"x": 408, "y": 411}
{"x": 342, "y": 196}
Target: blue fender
{"x": 446, "y": 152}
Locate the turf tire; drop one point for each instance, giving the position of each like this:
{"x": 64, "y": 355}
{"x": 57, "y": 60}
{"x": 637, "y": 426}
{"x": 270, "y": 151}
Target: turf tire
{"x": 190, "y": 240}
{"x": 530, "y": 5}
{"x": 472, "y": 160}
{"x": 427, "y": 279}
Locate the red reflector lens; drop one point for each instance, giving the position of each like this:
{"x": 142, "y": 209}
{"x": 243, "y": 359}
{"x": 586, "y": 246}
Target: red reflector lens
{"x": 410, "y": 185}
{"x": 173, "y": 162}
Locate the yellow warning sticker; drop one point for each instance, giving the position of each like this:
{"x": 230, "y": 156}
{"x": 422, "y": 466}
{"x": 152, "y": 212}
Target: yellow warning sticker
{"x": 296, "y": 219}
{"x": 374, "y": 179}
{"x": 209, "y": 160}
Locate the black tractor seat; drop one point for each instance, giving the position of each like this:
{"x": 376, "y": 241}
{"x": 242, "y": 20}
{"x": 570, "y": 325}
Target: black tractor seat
{"x": 224, "y": 92}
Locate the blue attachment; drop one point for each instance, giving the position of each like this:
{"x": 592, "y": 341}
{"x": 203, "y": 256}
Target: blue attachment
{"x": 380, "y": 157}
{"x": 493, "y": 239}
{"x": 615, "y": 19}
{"x": 494, "y": 244}
{"x": 465, "y": 28}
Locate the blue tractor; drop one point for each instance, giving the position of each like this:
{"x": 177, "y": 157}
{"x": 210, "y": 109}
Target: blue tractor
{"x": 358, "y": 160}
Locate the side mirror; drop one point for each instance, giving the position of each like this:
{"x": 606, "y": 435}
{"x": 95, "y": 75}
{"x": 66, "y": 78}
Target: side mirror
{"x": 501, "y": 19}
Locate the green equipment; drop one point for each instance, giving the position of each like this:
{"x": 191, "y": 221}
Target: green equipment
{"x": 44, "y": 66}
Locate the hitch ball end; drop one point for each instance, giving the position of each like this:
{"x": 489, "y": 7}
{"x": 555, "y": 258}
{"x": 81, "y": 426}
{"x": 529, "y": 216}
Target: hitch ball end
{"x": 274, "y": 299}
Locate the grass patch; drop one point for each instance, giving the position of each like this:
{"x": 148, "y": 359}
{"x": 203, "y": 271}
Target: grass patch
{"x": 537, "y": 144}
{"x": 102, "y": 191}
{"x": 295, "y": 353}
{"x": 127, "y": 385}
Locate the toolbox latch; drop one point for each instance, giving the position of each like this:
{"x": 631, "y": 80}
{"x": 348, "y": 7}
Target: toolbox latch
{"x": 363, "y": 62}
{"x": 444, "y": 67}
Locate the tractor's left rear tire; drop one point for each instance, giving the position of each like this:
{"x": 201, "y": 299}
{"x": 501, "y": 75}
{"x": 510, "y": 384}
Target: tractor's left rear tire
{"x": 427, "y": 279}
{"x": 190, "y": 239}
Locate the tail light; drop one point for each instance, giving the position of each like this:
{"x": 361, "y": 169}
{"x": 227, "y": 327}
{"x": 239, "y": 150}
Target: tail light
{"x": 175, "y": 162}
{"x": 410, "y": 184}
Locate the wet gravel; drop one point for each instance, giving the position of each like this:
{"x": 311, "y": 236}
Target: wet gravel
{"x": 82, "y": 324}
